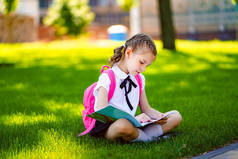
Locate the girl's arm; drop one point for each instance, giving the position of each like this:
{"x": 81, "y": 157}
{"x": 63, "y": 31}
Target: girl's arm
{"x": 102, "y": 98}
{"x": 146, "y": 108}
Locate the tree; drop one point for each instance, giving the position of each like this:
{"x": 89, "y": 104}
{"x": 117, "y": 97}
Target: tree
{"x": 166, "y": 24}
{"x": 235, "y": 1}
{"x": 69, "y": 17}
{"x": 126, "y": 5}
{"x": 9, "y": 6}
{"x": 165, "y": 16}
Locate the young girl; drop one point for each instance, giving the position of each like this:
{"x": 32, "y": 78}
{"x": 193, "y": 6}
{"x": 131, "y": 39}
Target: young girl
{"x": 129, "y": 60}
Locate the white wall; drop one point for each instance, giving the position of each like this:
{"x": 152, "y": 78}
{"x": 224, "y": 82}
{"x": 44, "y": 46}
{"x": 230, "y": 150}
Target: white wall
{"x": 1, "y": 5}
{"x": 30, "y": 8}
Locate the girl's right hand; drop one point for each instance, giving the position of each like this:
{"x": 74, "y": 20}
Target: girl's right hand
{"x": 143, "y": 118}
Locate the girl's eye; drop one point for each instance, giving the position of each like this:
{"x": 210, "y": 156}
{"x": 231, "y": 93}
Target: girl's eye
{"x": 141, "y": 62}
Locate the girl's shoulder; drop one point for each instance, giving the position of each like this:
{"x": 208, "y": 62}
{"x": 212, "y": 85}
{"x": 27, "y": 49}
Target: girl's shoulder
{"x": 104, "y": 78}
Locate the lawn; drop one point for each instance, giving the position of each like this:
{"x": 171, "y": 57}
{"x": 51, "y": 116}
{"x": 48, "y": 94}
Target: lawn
{"x": 42, "y": 86}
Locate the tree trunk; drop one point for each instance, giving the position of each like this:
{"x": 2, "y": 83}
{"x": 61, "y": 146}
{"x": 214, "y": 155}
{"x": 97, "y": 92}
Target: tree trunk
{"x": 166, "y": 24}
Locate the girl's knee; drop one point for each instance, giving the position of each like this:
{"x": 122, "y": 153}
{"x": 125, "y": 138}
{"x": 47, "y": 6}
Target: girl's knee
{"x": 124, "y": 127}
{"x": 177, "y": 117}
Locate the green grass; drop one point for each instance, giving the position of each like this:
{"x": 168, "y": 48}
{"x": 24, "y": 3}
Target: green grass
{"x": 42, "y": 86}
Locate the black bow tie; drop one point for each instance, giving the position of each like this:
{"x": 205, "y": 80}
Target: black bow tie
{"x": 127, "y": 91}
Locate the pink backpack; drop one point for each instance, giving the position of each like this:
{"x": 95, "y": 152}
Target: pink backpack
{"x": 89, "y": 99}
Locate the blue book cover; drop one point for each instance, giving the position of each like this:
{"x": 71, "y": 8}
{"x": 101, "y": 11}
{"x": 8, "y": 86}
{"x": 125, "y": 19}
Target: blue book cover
{"x": 110, "y": 114}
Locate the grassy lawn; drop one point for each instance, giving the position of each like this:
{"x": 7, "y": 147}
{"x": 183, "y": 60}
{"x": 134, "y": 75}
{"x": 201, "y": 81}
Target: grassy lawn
{"x": 42, "y": 86}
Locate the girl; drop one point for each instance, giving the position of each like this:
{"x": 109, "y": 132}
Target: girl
{"x": 129, "y": 60}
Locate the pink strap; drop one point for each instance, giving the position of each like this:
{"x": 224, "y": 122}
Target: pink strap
{"x": 89, "y": 129}
{"x": 139, "y": 80}
{"x": 102, "y": 69}
{"x": 112, "y": 78}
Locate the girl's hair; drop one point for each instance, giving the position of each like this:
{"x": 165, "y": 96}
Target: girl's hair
{"x": 135, "y": 42}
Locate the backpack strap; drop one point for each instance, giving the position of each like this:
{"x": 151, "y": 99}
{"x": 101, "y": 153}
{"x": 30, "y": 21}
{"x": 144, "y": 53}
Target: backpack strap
{"x": 139, "y": 81}
{"x": 102, "y": 69}
{"x": 112, "y": 78}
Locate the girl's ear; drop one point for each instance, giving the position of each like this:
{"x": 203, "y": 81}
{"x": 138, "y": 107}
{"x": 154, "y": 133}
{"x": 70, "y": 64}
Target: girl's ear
{"x": 128, "y": 52}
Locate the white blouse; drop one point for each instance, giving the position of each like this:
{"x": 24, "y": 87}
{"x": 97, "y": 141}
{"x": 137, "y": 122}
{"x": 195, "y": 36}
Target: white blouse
{"x": 118, "y": 99}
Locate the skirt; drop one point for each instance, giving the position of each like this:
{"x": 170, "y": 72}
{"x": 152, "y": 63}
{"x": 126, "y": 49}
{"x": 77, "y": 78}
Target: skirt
{"x": 99, "y": 129}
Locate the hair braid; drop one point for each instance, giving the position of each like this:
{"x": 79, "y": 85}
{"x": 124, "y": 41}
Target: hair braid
{"x": 135, "y": 42}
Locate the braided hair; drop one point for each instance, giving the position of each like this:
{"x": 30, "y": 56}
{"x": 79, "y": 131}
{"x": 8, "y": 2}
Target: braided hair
{"x": 135, "y": 42}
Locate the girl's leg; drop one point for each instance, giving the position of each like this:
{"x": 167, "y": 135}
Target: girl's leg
{"x": 122, "y": 128}
{"x": 156, "y": 130}
{"x": 172, "y": 122}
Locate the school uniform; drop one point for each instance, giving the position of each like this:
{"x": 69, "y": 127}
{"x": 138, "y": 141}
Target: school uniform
{"x": 127, "y": 102}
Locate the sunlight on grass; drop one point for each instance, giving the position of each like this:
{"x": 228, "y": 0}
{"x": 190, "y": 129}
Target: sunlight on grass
{"x": 172, "y": 68}
{"x": 72, "y": 53}
{"x": 228, "y": 66}
{"x": 54, "y": 141}
{"x": 52, "y": 145}
{"x": 18, "y": 86}
{"x": 177, "y": 85}
{"x": 69, "y": 52}
{"x": 208, "y": 46}
{"x": 23, "y": 119}
{"x": 70, "y": 108}
{"x": 212, "y": 57}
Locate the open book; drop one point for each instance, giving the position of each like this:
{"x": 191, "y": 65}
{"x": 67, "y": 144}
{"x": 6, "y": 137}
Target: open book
{"x": 110, "y": 113}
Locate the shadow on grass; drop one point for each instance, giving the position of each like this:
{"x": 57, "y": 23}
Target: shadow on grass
{"x": 58, "y": 91}
{"x": 7, "y": 64}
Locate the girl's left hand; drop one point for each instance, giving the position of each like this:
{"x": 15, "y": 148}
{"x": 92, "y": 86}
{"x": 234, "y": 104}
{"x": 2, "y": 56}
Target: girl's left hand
{"x": 157, "y": 115}
{"x": 162, "y": 121}
{"x": 143, "y": 118}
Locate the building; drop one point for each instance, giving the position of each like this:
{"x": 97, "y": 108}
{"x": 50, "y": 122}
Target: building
{"x": 196, "y": 20}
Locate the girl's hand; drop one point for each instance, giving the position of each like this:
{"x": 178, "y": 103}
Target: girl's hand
{"x": 162, "y": 121}
{"x": 143, "y": 118}
{"x": 154, "y": 114}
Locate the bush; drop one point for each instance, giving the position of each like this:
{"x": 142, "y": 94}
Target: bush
{"x": 9, "y": 6}
{"x": 69, "y": 17}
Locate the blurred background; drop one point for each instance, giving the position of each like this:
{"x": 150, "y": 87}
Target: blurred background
{"x": 46, "y": 20}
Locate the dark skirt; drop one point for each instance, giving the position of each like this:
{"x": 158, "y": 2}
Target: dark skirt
{"x": 99, "y": 129}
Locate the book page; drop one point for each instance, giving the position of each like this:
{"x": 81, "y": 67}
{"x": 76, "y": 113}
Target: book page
{"x": 149, "y": 122}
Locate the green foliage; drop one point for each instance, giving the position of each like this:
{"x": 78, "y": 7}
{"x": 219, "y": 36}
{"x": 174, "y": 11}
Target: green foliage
{"x": 127, "y": 4}
{"x": 69, "y": 17}
{"x": 235, "y": 1}
{"x": 9, "y": 6}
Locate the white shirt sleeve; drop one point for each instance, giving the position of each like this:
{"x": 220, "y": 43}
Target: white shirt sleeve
{"x": 103, "y": 81}
{"x": 143, "y": 81}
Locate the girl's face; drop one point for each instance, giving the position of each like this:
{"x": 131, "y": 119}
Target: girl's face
{"x": 137, "y": 61}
